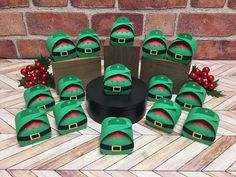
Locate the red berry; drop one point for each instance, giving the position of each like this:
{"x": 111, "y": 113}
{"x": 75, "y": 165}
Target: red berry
{"x": 23, "y": 71}
{"x": 43, "y": 69}
{"x": 43, "y": 82}
{"x": 37, "y": 64}
{"x": 26, "y": 84}
{"x": 204, "y": 75}
{"x": 29, "y": 77}
{"x": 197, "y": 71}
{"x": 211, "y": 86}
{"x": 206, "y": 69}
{"x": 30, "y": 84}
{"x": 29, "y": 68}
{"x": 34, "y": 80}
{"x": 193, "y": 76}
{"x": 210, "y": 78}
{"x": 199, "y": 80}
{"x": 36, "y": 72}
{"x": 205, "y": 84}
{"x": 44, "y": 76}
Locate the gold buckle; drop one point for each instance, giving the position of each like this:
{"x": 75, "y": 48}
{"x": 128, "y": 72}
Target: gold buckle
{"x": 116, "y": 89}
{"x": 158, "y": 97}
{"x": 153, "y": 52}
{"x": 34, "y": 136}
{"x": 197, "y": 135}
{"x": 188, "y": 106}
{"x": 121, "y": 40}
{"x": 43, "y": 107}
{"x": 178, "y": 57}
{"x": 87, "y": 50}
{"x": 73, "y": 126}
{"x": 115, "y": 148}
{"x": 64, "y": 54}
{"x": 158, "y": 124}
{"x": 73, "y": 97}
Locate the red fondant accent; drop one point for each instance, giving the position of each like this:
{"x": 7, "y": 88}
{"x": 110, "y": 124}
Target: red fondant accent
{"x": 117, "y": 135}
{"x": 118, "y": 78}
{"x": 161, "y": 113}
{"x": 182, "y": 46}
{"x": 40, "y": 97}
{"x": 62, "y": 44}
{"x": 33, "y": 124}
{"x": 160, "y": 87}
{"x": 88, "y": 41}
{"x": 123, "y": 30}
{"x": 71, "y": 88}
{"x": 155, "y": 43}
{"x": 71, "y": 114}
{"x": 190, "y": 96}
{"x": 202, "y": 123}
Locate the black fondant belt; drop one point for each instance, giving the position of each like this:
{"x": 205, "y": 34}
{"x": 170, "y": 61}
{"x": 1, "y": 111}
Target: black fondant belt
{"x": 158, "y": 96}
{"x": 178, "y": 56}
{"x": 64, "y": 53}
{"x": 198, "y": 135}
{"x": 34, "y": 136}
{"x": 88, "y": 50}
{"x": 47, "y": 105}
{"x": 117, "y": 88}
{"x": 122, "y": 40}
{"x": 154, "y": 52}
{"x": 72, "y": 126}
{"x": 159, "y": 124}
{"x": 72, "y": 97}
{"x": 185, "y": 105}
{"x": 117, "y": 148}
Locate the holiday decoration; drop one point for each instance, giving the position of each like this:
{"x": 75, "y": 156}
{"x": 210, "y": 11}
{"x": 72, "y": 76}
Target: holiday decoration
{"x": 32, "y": 126}
{"x": 160, "y": 87}
{"x": 163, "y": 115}
{"x": 116, "y": 136}
{"x": 69, "y": 116}
{"x": 201, "y": 125}
{"x": 117, "y": 80}
{"x": 154, "y": 45}
{"x": 122, "y": 32}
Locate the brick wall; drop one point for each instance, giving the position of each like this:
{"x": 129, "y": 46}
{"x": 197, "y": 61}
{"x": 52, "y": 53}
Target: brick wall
{"x": 25, "y": 24}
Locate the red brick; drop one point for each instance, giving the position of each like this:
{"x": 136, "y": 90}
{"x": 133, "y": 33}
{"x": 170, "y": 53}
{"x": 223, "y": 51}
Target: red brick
{"x": 7, "y": 49}
{"x": 102, "y": 23}
{"x": 11, "y": 24}
{"x": 31, "y": 48}
{"x": 232, "y": 4}
{"x": 207, "y": 24}
{"x": 51, "y": 3}
{"x": 48, "y": 22}
{"x": 13, "y": 3}
{"x": 164, "y": 22}
{"x": 92, "y": 3}
{"x": 207, "y": 3}
{"x": 217, "y": 50}
{"x": 151, "y": 4}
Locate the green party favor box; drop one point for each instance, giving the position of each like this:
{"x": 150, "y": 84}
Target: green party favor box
{"x": 117, "y": 80}
{"x": 201, "y": 125}
{"x": 39, "y": 96}
{"x": 116, "y": 136}
{"x": 154, "y": 45}
{"x": 191, "y": 95}
{"x": 70, "y": 87}
{"x": 163, "y": 115}
{"x": 69, "y": 116}
{"x": 87, "y": 44}
{"x": 32, "y": 126}
{"x": 160, "y": 86}
{"x": 182, "y": 49}
{"x": 122, "y": 32}
{"x": 60, "y": 46}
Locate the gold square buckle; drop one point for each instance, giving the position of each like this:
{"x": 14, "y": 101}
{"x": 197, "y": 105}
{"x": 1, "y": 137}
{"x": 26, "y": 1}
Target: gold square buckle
{"x": 87, "y": 50}
{"x": 73, "y": 126}
{"x": 197, "y": 135}
{"x": 188, "y": 106}
{"x": 115, "y": 148}
{"x": 153, "y": 52}
{"x": 158, "y": 124}
{"x": 178, "y": 57}
{"x": 158, "y": 97}
{"x": 43, "y": 107}
{"x": 73, "y": 97}
{"x": 121, "y": 40}
{"x": 116, "y": 89}
{"x": 64, "y": 54}
{"x": 34, "y": 136}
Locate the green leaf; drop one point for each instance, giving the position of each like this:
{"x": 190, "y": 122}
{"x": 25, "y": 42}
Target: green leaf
{"x": 22, "y": 81}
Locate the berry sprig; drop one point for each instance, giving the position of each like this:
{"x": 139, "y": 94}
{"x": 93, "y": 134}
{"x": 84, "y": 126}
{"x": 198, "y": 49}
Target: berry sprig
{"x": 206, "y": 80}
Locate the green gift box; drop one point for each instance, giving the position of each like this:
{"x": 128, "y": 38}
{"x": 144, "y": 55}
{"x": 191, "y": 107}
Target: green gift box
{"x": 116, "y": 136}
{"x": 87, "y": 44}
{"x": 155, "y": 45}
{"x": 70, "y": 87}
{"x": 32, "y": 126}
{"x": 60, "y": 46}
{"x": 191, "y": 95}
{"x": 117, "y": 80}
{"x": 39, "y": 96}
{"x": 160, "y": 86}
{"x": 69, "y": 116}
{"x": 163, "y": 115}
{"x": 182, "y": 49}
{"x": 122, "y": 32}
{"x": 201, "y": 125}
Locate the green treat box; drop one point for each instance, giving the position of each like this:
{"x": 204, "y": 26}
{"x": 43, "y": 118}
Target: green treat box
{"x": 201, "y": 125}
{"x": 163, "y": 115}
{"x": 32, "y": 126}
{"x": 122, "y": 32}
{"x": 87, "y": 43}
{"x": 182, "y": 49}
{"x": 116, "y": 136}
{"x": 69, "y": 116}
{"x": 117, "y": 80}
{"x": 191, "y": 95}
{"x": 39, "y": 96}
{"x": 160, "y": 86}
{"x": 70, "y": 87}
{"x": 155, "y": 45}
{"x": 60, "y": 46}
